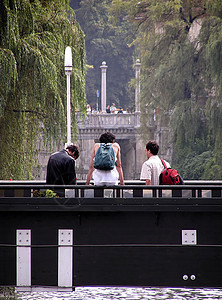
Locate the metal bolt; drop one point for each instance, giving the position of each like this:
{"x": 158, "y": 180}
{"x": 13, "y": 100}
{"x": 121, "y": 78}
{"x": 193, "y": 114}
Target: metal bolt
{"x": 192, "y": 277}
{"x": 185, "y": 277}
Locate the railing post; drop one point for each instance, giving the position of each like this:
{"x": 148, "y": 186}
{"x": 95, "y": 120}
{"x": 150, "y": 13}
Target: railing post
{"x": 137, "y": 192}
{"x": 216, "y": 193}
{"x": 176, "y": 193}
{"x": 99, "y": 193}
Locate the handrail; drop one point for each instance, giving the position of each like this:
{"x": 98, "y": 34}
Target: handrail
{"x": 117, "y": 187}
{"x": 9, "y": 189}
{"x": 127, "y": 182}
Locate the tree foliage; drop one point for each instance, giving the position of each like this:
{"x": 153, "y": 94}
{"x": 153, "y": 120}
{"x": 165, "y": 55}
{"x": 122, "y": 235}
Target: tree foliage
{"x": 33, "y": 38}
{"x": 106, "y": 41}
{"x": 180, "y": 44}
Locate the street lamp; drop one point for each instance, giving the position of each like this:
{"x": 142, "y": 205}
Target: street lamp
{"x": 137, "y": 93}
{"x": 68, "y": 72}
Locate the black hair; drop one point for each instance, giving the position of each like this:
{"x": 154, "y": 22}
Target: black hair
{"x": 107, "y": 137}
{"x": 74, "y": 149}
{"x": 153, "y": 147}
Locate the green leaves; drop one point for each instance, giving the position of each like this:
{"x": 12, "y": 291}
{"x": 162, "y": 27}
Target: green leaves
{"x": 106, "y": 41}
{"x": 33, "y": 38}
{"x": 181, "y": 54}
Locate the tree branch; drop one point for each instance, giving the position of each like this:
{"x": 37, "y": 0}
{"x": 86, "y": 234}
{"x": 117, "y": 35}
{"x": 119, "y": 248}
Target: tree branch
{"x": 28, "y": 111}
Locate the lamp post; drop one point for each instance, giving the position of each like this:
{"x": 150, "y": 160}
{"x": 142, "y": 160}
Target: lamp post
{"x": 68, "y": 72}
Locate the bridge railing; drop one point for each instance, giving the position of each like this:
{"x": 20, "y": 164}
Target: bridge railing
{"x": 132, "y": 189}
{"x": 109, "y": 120}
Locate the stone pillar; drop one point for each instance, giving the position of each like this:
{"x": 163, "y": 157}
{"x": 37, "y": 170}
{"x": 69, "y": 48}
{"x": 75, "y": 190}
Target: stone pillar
{"x": 103, "y": 86}
{"x": 137, "y": 90}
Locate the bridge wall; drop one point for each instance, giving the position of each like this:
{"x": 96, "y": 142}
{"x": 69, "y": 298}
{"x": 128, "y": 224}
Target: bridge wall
{"x": 135, "y": 241}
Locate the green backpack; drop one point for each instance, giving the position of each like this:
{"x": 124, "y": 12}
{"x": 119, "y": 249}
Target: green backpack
{"x": 105, "y": 157}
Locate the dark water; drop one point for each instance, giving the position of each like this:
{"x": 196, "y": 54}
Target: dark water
{"x": 98, "y": 293}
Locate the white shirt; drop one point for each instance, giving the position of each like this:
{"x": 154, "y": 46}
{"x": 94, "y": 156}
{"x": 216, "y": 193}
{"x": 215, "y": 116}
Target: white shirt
{"x": 152, "y": 168}
{"x": 112, "y": 109}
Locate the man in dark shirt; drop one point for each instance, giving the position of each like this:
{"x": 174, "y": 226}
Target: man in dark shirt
{"x": 61, "y": 166}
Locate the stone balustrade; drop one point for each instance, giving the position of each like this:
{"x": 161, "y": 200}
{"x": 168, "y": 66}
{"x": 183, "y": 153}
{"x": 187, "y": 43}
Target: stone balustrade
{"x": 107, "y": 120}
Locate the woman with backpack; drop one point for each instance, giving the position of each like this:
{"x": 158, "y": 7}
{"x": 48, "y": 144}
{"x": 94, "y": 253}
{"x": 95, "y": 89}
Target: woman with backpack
{"x": 105, "y": 166}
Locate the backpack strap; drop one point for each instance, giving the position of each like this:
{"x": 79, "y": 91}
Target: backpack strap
{"x": 106, "y": 145}
{"x": 164, "y": 164}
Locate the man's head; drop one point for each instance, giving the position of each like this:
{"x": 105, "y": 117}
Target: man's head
{"x": 152, "y": 148}
{"x": 73, "y": 151}
{"x": 107, "y": 137}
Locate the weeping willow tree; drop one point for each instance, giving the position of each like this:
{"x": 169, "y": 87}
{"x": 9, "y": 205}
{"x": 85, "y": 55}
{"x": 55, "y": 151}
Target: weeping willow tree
{"x": 33, "y": 38}
{"x": 180, "y": 45}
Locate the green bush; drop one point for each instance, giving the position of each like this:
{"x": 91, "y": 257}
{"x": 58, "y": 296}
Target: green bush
{"x": 47, "y": 194}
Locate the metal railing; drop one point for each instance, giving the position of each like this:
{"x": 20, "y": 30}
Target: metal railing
{"x": 132, "y": 189}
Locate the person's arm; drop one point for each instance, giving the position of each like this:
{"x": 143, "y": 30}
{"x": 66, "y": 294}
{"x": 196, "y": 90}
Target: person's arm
{"x": 119, "y": 167}
{"x": 91, "y": 168}
{"x": 145, "y": 174}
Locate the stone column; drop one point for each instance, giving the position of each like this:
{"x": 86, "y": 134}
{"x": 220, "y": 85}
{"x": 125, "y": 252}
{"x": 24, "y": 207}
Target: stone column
{"x": 137, "y": 90}
{"x": 103, "y": 86}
